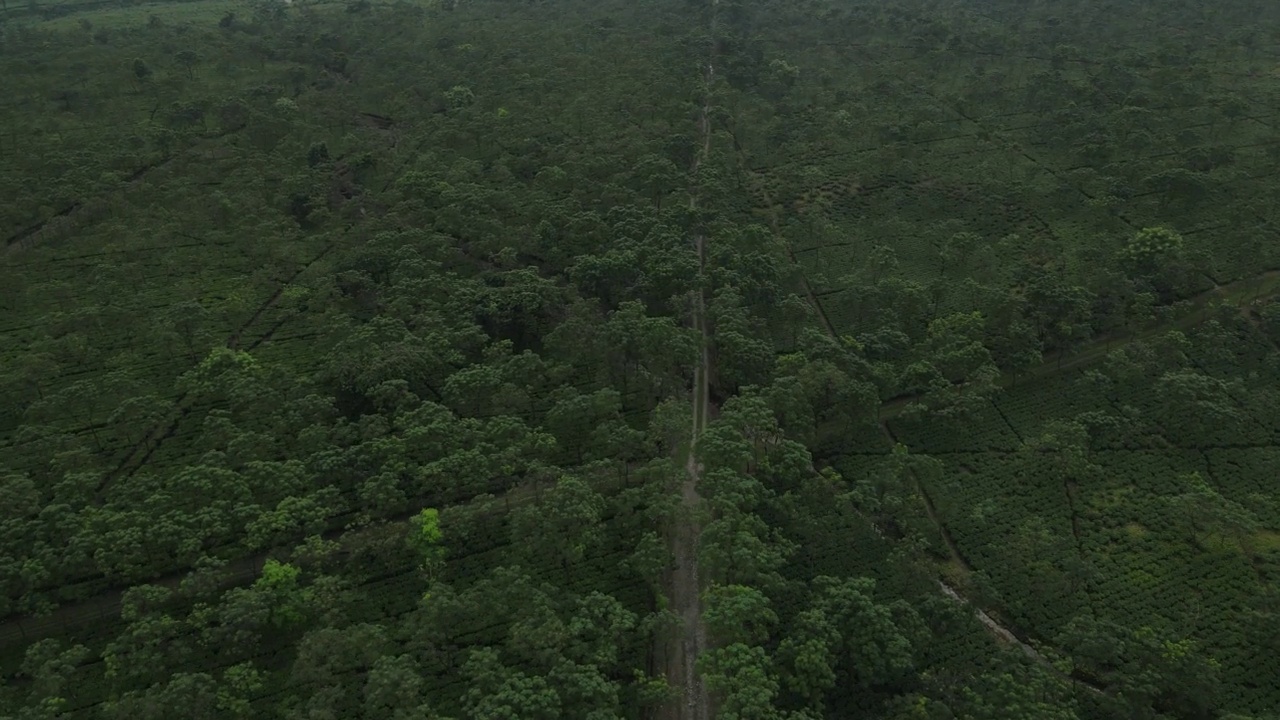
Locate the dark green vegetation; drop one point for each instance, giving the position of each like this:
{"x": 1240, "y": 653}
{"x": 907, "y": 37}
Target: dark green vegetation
{"x": 352, "y": 355}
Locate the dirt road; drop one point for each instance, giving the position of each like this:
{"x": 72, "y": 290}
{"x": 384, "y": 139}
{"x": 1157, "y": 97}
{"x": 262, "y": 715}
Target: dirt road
{"x": 685, "y": 588}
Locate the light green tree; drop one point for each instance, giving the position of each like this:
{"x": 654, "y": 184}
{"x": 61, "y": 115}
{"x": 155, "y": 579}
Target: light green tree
{"x": 427, "y": 541}
{"x": 288, "y": 599}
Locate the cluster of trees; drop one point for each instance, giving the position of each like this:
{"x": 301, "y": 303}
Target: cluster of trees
{"x": 1062, "y": 276}
{"x": 395, "y": 439}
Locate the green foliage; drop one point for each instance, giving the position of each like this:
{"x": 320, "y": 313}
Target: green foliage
{"x": 427, "y": 540}
{"x": 741, "y": 674}
{"x": 459, "y": 96}
{"x": 271, "y": 292}
{"x": 238, "y": 682}
{"x": 738, "y": 614}
{"x": 1151, "y": 250}
{"x": 1147, "y": 667}
{"x": 287, "y": 599}
{"x": 1017, "y": 693}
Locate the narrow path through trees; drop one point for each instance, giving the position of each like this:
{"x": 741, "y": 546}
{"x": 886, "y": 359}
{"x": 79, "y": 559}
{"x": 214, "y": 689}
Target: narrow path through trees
{"x": 692, "y": 701}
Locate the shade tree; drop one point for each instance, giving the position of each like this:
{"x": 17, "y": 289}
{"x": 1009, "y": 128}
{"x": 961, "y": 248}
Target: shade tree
{"x": 49, "y": 665}
{"x": 1158, "y": 257}
{"x": 953, "y": 372}
{"x": 193, "y": 695}
{"x": 1191, "y": 402}
{"x": 741, "y": 548}
{"x": 154, "y": 640}
{"x": 1022, "y": 691}
{"x": 498, "y": 691}
{"x": 1060, "y": 309}
{"x": 394, "y": 690}
{"x": 1149, "y": 673}
{"x": 386, "y": 349}
{"x": 648, "y": 354}
{"x": 743, "y": 680}
{"x": 1207, "y": 516}
{"x": 741, "y": 352}
{"x": 559, "y": 529}
{"x": 738, "y": 614}
{"x": 330, "y": 665}
{"x": 236, "y": 686}
{"x": 427, "y": 541}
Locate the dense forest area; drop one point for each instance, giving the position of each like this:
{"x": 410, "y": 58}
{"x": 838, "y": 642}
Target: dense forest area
{"x": 675, "y": 360}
